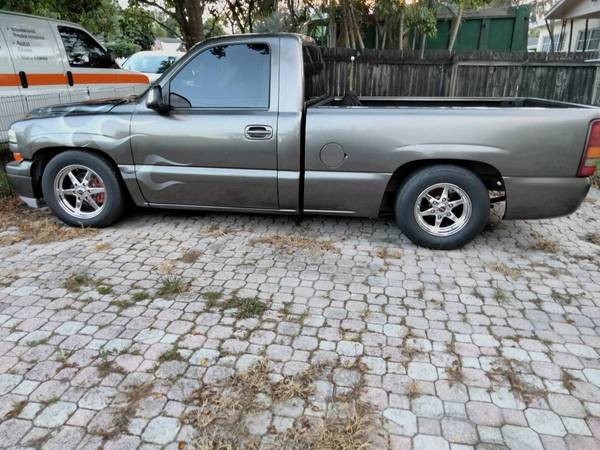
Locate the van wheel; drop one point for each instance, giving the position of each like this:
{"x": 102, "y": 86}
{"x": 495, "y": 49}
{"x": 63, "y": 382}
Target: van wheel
{"x": 83, "y": 189}
{"x": 442, "y": 207}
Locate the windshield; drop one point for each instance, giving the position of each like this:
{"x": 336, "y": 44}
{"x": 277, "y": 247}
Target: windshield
{"x": 149, "y": 63}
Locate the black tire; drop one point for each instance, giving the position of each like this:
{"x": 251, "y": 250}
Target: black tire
{"x": 113, "y": 202}
{"x": 421, "y": 180}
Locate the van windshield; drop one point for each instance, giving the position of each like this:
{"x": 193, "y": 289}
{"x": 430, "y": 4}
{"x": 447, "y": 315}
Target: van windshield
{"x": 149, "y": 63}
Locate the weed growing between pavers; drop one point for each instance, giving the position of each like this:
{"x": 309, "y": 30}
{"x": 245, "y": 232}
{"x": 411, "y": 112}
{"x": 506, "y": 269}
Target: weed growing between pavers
{"x": 18, "y": 224}
{"x": 243, "y": 308}
{"x": 172, "y": 285}
{"x": 76, "y": 281}
{"x": 126, "y": 410}
{"x": 16, "y": 409}
{"x": 224, "y": 411}
{"x": 170, "y": 355}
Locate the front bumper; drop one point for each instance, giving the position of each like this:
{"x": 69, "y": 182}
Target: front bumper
{"x": 19, "y": 175}
{"x": 541, "y": 198}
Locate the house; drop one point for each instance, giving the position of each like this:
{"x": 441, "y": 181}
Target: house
{"x": 570, "y": 26}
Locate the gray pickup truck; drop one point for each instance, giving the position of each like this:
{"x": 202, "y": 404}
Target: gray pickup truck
{"x": 241, "y": 124}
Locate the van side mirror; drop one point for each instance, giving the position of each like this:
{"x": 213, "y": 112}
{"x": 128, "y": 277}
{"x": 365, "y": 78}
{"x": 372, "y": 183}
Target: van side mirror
{"x": 155, "y": 101}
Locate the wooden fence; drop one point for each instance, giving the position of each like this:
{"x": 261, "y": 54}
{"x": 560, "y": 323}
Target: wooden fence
{"x": 556, "y": 76}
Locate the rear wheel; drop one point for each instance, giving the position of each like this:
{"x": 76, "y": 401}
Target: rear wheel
{"x": 442, "y": 207}
{"x": 82, "y": 189}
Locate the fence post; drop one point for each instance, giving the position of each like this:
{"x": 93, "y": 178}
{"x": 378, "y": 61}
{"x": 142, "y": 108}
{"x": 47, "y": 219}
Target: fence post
{"x": 453, "y": 76}
{"x": 352, "y": 72}
{"x": 595, "y": 100}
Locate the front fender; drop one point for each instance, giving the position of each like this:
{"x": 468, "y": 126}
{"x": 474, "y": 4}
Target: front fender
{"x": 106, "y": 133}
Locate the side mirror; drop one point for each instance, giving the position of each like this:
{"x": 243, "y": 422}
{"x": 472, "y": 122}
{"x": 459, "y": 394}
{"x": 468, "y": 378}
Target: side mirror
{"x": 155, "y": 101}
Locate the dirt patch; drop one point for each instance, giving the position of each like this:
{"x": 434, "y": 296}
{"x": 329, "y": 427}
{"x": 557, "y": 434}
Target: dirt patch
{"x": 505, "y": 270}
{"x": 543, "y": 244}
{"x": 225, "y": 410}
{"x": 18, "y": 224}
{"x": 290, "y": 243}
{"x": 190, "y": 256}
{"x": 512, "y": 372}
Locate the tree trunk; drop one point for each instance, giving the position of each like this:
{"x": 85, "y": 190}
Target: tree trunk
{"x": 401, "y": 38}
{"x": 332, "y": 25}
{"x": 356, "y": 29}
{"x": 191, "y": 22}
{"x": 423, "y": 45}
{"x": 455, "y": 27}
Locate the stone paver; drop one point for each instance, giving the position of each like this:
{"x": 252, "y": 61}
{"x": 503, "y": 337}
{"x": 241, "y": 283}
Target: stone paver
{"x": 492, "y": 346}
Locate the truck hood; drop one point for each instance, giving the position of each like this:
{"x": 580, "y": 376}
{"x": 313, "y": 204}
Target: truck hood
{"x": 89, "y": 107}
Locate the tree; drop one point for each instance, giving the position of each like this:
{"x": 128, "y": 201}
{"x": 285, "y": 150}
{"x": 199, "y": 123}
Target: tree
{"x": 457, "y": 9}
{"x": 100, "y": 17}
{"x": 136, "y": 27}
{"x": 422, "y": 22}
{"x": 389, "y": 23}
{"x": 188, "y": 14}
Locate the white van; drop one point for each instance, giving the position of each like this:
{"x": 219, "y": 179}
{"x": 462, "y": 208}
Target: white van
{"x": 45, "y": 61}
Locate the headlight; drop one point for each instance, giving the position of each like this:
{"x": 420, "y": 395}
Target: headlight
{"x": 12, "y": 136}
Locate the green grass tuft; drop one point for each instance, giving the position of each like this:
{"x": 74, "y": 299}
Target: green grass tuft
{"x": 171, "y": 286}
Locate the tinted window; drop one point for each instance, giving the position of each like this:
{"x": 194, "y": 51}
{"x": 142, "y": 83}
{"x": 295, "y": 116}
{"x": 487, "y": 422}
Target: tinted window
{"x": 149, "y": 63}
{"x": 83, "y": 50}
{"x": 228, "y": 76}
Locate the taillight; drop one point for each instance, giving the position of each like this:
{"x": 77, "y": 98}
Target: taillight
{"x": 591, "y": 156}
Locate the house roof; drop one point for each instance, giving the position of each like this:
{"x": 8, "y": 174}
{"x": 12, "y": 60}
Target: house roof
{"x": 574, "y": 9}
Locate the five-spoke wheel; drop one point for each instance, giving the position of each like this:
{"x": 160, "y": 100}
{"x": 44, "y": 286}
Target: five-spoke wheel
{"x": 80, "y": 191}
{"x": 83, "y": 188}
{"x": 442, "y": 206}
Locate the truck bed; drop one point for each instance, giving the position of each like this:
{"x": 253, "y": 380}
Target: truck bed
{"x": 446, "y": 102}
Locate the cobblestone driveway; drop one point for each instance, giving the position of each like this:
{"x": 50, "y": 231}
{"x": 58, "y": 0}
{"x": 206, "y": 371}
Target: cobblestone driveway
{"x": 111, "y": 339}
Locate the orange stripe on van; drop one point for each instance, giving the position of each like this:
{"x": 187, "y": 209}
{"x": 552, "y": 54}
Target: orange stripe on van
{"x": 45, "y": 79}
{"x": 98, "y": 78}
{"x": 9, "y": 79}
{"x": 38, "y": 79}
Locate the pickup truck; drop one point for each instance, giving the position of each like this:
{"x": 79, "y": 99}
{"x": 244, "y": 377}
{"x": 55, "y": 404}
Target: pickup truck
{"x": 242, "y": 123}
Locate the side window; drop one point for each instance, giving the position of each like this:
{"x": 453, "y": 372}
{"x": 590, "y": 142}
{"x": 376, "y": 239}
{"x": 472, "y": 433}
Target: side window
{"x": 226, "y": 76}
{"x": 83, "y": 50}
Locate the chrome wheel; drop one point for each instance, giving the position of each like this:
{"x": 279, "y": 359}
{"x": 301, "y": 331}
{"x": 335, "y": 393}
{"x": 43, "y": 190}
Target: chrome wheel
{"x": 80, "y": 191}
{"x": 443, "y": 209}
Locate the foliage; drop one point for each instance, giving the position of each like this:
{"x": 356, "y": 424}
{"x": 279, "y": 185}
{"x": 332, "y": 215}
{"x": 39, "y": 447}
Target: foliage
{"x": 421, "y": 19}
{"x": 100, "y": 17}
{"x": 122, "y": 48}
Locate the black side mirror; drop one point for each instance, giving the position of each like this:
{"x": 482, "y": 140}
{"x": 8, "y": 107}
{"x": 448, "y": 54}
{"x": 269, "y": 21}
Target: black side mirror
{"x": 155, "y": 101}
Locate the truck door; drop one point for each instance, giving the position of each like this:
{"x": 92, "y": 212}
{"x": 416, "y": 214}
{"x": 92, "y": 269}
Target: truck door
{"x": 36, "y": 59}
{"x": 217, "y": 147}
{"x": 91, "y": 71}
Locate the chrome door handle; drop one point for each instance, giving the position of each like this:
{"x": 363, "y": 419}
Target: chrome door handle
{"x": 258, "y": 132}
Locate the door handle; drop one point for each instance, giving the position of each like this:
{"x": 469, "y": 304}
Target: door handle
{"x": 258, "y": 132}
{"x": 23, "y": 79}
{"x": 70, "y": 78}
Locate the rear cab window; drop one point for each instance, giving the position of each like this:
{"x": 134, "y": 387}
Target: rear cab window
{"x": 225, "y": 76}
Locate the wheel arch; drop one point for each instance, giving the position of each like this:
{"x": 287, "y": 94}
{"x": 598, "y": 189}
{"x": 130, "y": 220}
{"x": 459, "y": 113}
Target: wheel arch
{"x": 489, "y": 175}
{"x": 42, "y": 157}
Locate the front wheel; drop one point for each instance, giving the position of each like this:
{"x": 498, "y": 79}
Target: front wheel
{"x": 442, "y": 207}
{"x": 82, "y": 189}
